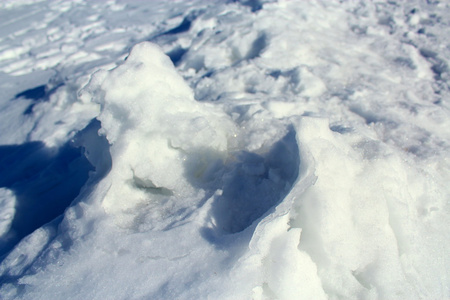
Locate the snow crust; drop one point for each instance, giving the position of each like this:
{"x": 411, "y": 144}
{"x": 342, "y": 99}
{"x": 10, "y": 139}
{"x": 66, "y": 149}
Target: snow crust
{"x": 224, "y": 150}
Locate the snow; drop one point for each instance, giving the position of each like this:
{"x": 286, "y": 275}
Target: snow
{"x": 7, "y": 203}
{"x": 224, "y": 150}
{"x": 161, "y": 138}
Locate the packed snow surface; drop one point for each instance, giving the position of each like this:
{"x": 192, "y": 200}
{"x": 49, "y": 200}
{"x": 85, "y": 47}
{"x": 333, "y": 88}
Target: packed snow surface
{"x": 224, "y": 149}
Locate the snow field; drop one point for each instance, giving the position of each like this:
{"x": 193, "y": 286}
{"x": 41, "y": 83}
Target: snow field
{"x": 250, "y": 150}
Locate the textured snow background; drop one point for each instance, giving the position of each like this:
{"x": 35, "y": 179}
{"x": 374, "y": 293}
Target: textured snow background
{"x": 224, "y": 149}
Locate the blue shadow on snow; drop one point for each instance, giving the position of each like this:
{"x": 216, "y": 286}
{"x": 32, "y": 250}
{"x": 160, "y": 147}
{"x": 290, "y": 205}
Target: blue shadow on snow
{"x": 252, "y": 184}
{"x": 37, "y": 94}
{"x": 45, "y": 181}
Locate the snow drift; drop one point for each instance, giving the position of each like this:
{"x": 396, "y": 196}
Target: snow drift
{"x": 251, "y": 150}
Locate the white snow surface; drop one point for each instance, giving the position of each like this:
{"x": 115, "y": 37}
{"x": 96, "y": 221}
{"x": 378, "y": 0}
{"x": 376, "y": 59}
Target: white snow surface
{"x": 224, "y": 149}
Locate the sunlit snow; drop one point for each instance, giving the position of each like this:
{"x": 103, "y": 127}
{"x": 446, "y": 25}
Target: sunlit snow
{"x": 206, "y": 149}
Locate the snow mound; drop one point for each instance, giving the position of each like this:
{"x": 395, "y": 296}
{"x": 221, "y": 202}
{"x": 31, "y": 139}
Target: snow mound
{"x": 155, "y": 128}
